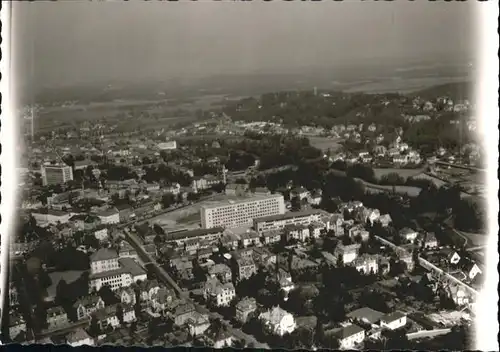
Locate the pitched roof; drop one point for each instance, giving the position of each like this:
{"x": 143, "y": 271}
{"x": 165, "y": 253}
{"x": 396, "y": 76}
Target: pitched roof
{"x": 78, "y": 335}
{"x": 275, "y": 315}
{"x": 393, "y": 317}
{"x": 366, "y": 313}
{"x": 104, "y": 254}
{"x": 349, "y": 331}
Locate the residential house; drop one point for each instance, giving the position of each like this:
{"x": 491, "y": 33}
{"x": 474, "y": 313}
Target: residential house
{"x": 365, "y": 315}
{"x": 278, "y": 321}
{"x": 405, "y": 257}
{"x": 101, "y": 233}
{"x": 408, "y": 234}
{"x": 350, "y": 337}
{"x": 198, "y": 323}
{"x": 182, "y": 313}
{"x": 299, "y": 192}
{"x": 315, "y": 198}
{"x": 162, "y": 299}
{"x": 109, "y": 216}
{"x": 356, "y": 231}
{"x": 298, "y": 232}
{"x": 346, "y": 254}
{"x": 270, "y": 237}
{"x": 126, "y": 295}
{"x": 400, "y": 159}
{"x": 458, "y": 294}
{"x": 384, "y": 265}
{"x": 452, "y": 256}
{"x": 147, "y": 290}
{"x": 379, "y": 150}
{"x": 86, "y": 306}
{"x": 183, "y": 267}
{"x": 366, "y": 264}
{"x": 125, "y": 212}
{"x": 393, "y": 321}
{"x": 429, "y": 240}
{"x": 385, "y": 220}
{"x": 471, "y": 269}
{"x": 127, "y": 251}
{"x": 250, "y": 238}
{"x": 285, "y": 280}
{"x": 244, "y": 308}
{"x": 217, "y": 293}
{"x": 220, "y": 338}
{"x": 107, "y": 317}
{"x": 229, "y": 241}
{"x": 316, "y": 229}
{"x": 335, "y": 222}
{"x": 79, "y": 338}
{"x": 245, "y": 267}
{"x": 369, "y": 216}
{"x": 128, "y": 313}
{"x": 220, "y": 271}
{"x": 56, "y": 317}
{"x": 264, "y": 257}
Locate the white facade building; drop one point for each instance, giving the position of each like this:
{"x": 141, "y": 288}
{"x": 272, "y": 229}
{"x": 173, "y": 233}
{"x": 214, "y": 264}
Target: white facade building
{"x": 393, "y": 321}
{"x": 278, "y": 222}
{"x": 240, "y": 213}
{"x": 108, "y": 269}
{"x": 56, "y": 174}
{"x": 170, "y": 145}
{"x": 278, "y": 321}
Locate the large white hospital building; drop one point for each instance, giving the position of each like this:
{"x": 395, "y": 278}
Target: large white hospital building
{"x": 231, "y": 214}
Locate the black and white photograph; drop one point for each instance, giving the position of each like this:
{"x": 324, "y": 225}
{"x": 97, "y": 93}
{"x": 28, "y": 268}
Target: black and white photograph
{"x": 249, "y": 174}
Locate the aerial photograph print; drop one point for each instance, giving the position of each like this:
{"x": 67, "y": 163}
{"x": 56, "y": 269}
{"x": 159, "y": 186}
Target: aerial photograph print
{"x": 262, "y": 175}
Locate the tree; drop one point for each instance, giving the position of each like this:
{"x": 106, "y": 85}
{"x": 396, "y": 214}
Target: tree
{"x": 119, "y": 313}
{"x": 167, "y": 200}
{"x": 107, "y": 295}
{"x": 94, "y": 328}
{"x": 62, "y": 291}
{"x": 41, "y": 316}
{"x": 319, "y": 334}
{"x": 296, "y": 204}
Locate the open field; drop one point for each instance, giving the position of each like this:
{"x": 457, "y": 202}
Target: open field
{"x": 180, "y": 109}
{"x": 474, "y": 239}
{"x": 401, "y": 172}
{"x": 325, "y": 143}
{"x": 409, "y": 190}
{"x": 438, "y": 182}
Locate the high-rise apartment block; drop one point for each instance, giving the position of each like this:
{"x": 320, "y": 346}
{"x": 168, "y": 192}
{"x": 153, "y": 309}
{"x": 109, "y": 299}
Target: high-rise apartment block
{"x": 231, "y": 214}
{"x": 56, "y": 174}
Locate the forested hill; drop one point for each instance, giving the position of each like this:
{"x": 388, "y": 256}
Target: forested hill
{"x": 329, "y": 108}
{"x": 456, "y": 91}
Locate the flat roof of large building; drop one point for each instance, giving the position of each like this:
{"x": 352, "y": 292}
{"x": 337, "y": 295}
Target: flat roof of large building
{"x": 290, "y": 215}
{"x": 186, "y": 234}
{"x": 241, "y": 201}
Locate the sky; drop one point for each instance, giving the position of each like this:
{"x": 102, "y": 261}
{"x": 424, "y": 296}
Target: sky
{"x": 68, "y": 42}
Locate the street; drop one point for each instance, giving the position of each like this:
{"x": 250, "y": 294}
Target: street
{"x": 166, "y": 279}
